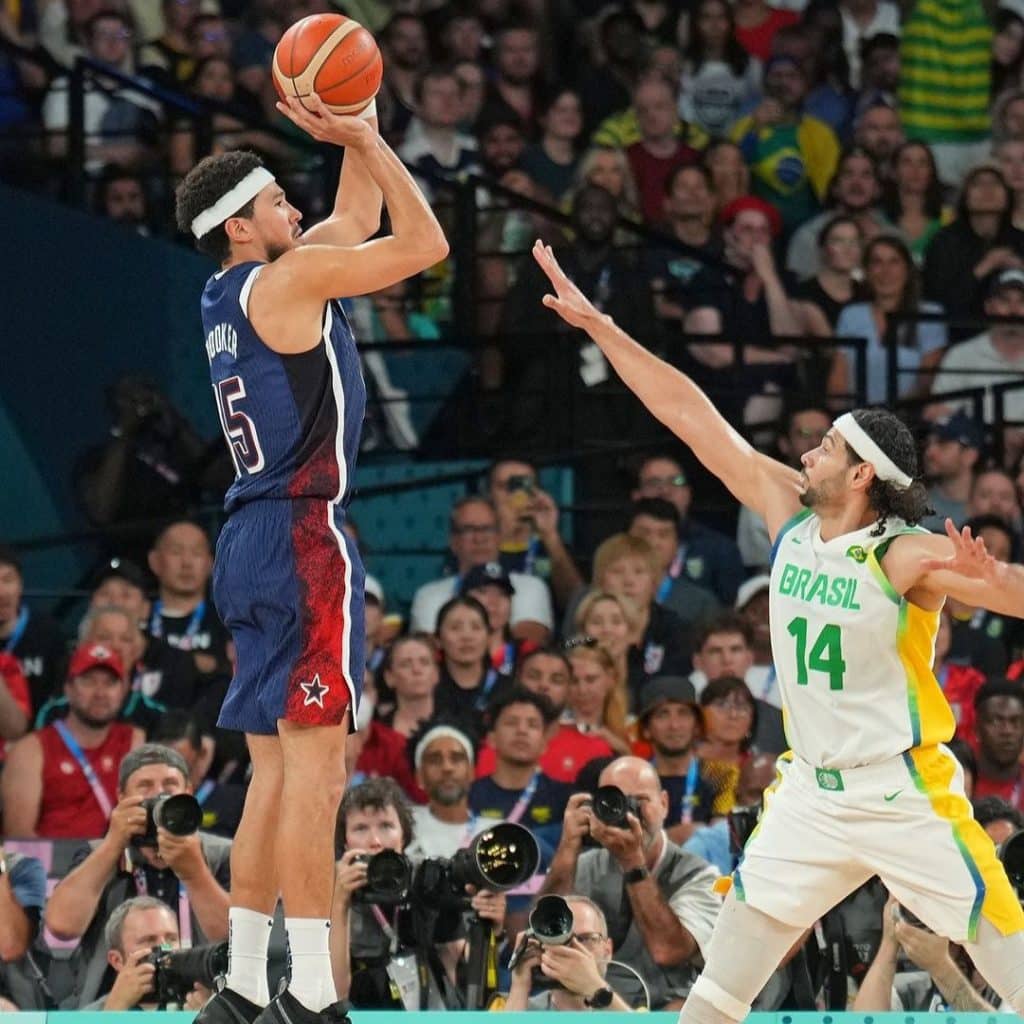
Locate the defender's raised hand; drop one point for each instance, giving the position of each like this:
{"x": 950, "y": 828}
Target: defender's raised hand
{"x": 970, "y": 557}
{"x": 568, "y": 301}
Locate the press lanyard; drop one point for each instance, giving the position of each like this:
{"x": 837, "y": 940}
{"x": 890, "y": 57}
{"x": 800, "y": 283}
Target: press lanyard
{"x": 390, "y": 930}
{"x": 690, "y": 793}
{"x": 156, "y": 624}
{"x": 532, "y": 550}
{"x": 672, "y": 575}
{"x": 508, "y": 658}
{"x": 489, "y": 680}
{"x": 87, "y": 769}
{"x": 184, "y": 909}
{"x": 204, "y": 791}
{"x": 524, "y": 799}
{"x": 19, "y": 630}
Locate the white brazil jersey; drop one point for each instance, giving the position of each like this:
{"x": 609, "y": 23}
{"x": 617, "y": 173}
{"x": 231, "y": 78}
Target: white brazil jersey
{"x": 853, "y": 657}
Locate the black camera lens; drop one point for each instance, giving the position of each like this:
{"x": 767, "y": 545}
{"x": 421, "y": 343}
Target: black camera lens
{"x": 505, "y": 856}
{"x": 388, "y": 878}
{"x": 611, "y": 806}
{"x": 1011, "y": 853}
{"x": 551, "y": 921}
{"x": 180, "y": 815}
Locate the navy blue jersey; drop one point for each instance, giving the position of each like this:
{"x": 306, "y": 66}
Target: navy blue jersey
{"x": 292, "y": 422}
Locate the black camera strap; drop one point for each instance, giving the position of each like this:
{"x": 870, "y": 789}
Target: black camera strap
{"x": 619, "y": 928}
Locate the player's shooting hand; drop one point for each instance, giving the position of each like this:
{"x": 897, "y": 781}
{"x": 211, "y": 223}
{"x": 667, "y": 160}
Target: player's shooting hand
{"x": 317, "y": 121}
{"x": 568, "y": 301}
{"x": 970, "y": 557}
{"x": 626, "y": 845}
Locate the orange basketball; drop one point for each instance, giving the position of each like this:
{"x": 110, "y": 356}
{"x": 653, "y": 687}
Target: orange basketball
{"x": 331, "y": 55}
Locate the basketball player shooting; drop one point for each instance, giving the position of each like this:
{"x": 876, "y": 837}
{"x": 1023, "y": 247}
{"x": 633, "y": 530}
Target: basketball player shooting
{"x": 288, "y": 582}
{"x": 856, "y": 588}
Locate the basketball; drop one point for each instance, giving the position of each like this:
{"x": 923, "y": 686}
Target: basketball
{"x": 332, "y": 56}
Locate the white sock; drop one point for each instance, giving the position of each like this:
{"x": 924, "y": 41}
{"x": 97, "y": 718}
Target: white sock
{"x": 312, "y": 981}
{"x": 248, "y": 937}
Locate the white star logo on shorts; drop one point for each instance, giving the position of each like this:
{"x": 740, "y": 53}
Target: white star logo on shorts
{"x": 315, "y": 692}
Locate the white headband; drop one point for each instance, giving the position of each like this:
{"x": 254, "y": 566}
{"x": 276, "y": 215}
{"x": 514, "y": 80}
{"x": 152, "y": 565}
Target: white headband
{"x": 232, "y": 201}
{"x": 858, "y": 440}
{"x": 442, "y": 732}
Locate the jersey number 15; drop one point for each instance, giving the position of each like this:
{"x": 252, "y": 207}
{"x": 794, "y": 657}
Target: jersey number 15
{"x": 239, "y": 429}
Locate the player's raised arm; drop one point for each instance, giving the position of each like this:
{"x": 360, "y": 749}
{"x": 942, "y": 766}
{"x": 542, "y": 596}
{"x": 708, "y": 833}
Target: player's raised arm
{"x": 416, "y": 241}
{"x": 762, "y": 484}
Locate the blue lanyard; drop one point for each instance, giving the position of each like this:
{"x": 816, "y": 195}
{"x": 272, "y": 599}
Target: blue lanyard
{"x": 87, "y": 769}
{"x": 508, "y": 658}
{"x": 519, "y": 808}
{"x": 204, "y": 791}
{"x": 19, "y": 630}
{"x": 690, "y": 797}
{"x": 489, "y": 680}
{"x": 532, "y": 551}
{"x": 156, "y": 624}
{"x": 674, "y": 571}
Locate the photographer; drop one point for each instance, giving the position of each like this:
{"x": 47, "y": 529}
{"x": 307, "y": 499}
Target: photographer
{"x": 659, "y": 900}
{"x": 22, "y": 897}
{"x": 135, "y": 928}
{"x": 374, "y": 947}
{"x": 578, "y": 967}
{"x": 189, "y": 871}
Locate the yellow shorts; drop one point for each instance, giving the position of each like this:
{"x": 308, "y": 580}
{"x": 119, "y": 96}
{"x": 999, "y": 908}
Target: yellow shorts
{"x": 823, "y": 833}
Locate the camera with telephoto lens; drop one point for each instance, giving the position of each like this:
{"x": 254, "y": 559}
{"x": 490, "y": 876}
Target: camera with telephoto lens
{"x": 1011, "y": 853}
{"x": 500, "y": 859}
{"x": 180, "y": 815}
{"x": 177, "y": 970}
{"x": 550, "y": 924}
{"x": 611, "y": 806}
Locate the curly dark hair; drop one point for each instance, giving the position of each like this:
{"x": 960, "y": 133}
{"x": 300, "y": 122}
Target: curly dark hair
{"x": 374, "y": 795}
{"x": 211, "y": 178}
{"x": 894, "y": 437}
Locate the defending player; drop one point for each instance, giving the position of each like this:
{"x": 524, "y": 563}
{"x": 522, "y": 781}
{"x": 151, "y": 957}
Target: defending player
{"x": 856, "y": 591}
{"x": 287, "y": 581}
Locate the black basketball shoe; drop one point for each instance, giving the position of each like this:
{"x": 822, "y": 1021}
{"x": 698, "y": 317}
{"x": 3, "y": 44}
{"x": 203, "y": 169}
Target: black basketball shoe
{"x": 286, "y": 1009}
{"x": 228, "y": 1007}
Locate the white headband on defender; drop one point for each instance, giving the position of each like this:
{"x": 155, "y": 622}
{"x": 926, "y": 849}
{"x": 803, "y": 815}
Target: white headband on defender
{"x": 442, "y": 732}
{"x": 858, "y": 440}
{"x": 232, "y": 201}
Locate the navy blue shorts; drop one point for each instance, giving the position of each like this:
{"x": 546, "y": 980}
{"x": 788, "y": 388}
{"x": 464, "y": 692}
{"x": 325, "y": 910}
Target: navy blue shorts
{"x": 288, "y": 584}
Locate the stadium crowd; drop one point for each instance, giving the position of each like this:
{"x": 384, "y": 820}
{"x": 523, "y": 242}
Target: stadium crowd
{"x": 739, "y": 170}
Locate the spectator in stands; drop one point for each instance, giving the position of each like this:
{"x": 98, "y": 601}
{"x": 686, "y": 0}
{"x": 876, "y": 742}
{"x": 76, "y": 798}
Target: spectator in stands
{"x": 855, "y": 192}
{"x": 433, "y": 144}
{"x": 913, "y": 197}
{"x": 597, "y": 699}
{"x": 730, "y": 725}
{"x": 608, "y": 168}
{"x": 995, "y": 494}
{"x": 730, "y": 175}
{"x": 792, "y": 155}
{"x": 690, "y": 218}
{"x": 724, "y": 647}
{"x": 253, "y": 50}
{"x": 804, "y": 424}
{"x": 719, "y": 78}
{"x": 705, "y": 556}
{"x": 183, "y": 614}
{"x": 606, "y": 80}
{"x": 748, "y": 300}
{"x": 170, "y": 58}
{"x": 658, "y": 900}
{"x": 964, "y": 753}
{"x": 878, "y": 131}
{"x": 463, "y": 37}
{"x": 610, "y": 619}
{"x": 1009, "y": 154}
{"x": 472, "y": 85}
{"x": 189, "y": 874}
{"x": 29, "y": 635}
{"x": 880, "y": 74}
{"x": 656, "y": 521}
{"x": 951, "y": 451}
{"x": 490, "y": 585}
{"x": 442, "y": 757}
{"x": 61, "y": 782}
{"x": 517, "y": 83}
{"x": 660, "y": 148}
{"x": 1007, "y": 50}
{"x": 578, "y": 967}
{"x": 133, "y": 930}
{"x": 474, "y": 539}
{"x": 209, "y": 35}
{"x": 502, "y": 143}
{"x": 15, "y": 701}
{"x": 22, "y": 898}
{"x": 121, "y": 197}
{"x": 863, "y": 19}
{"x": 551, "y": 161}
{"x": 756, "y": 25}
{"x": 518, "y": 790}
{"x": 982, "y": 240}
{"x": 752, "y": 606}
{"x": 120, "y": 123}
{"x": 410, "y": 673}
{"x": 893, "y": 286}
{"x": 528, "y": 524}
{"x": 993, "y": 357}
{"x": 406, "y": 52}
{"x": 999, "y": 730}
{"x": 671, "y": 721}
{"x": 998, "y": 818}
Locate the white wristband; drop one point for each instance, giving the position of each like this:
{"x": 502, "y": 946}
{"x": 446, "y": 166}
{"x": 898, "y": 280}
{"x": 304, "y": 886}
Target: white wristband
{"x": 370, "y": 110}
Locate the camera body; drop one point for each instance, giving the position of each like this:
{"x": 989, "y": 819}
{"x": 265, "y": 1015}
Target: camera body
{"x": 177, "y": 970}
{"x": 611, "y": 807}
{"x": 180, "y": 815}
{"x": 389, "y": 878}
{"x": 1011, "y": 853}
{"x": 550, "y": 924}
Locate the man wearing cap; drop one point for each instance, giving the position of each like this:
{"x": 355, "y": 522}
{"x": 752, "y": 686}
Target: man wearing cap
{"x": 30, "y": 636}
{"x": 951, "y": 451}
{"x": 993, "y": 357}
{"x": 61, "y": 782}
{"x": 671, "y": 721}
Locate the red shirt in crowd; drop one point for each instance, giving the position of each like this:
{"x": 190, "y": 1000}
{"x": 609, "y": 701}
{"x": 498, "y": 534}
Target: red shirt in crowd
{"x": 959, "y": 684}
{"x": 566, "y": 753}
{"x": 69, "y": 809}
{"x": 1012, "y": 792}
{"x": 383, "y": 757}
{"x": 14, "y": 679}
{"x": 757, "y": 40}
{"x": 652, "y": 174}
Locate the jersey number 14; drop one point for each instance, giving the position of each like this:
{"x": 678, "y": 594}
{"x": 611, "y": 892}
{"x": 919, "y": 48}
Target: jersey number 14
{"x": 826, "y": 654}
